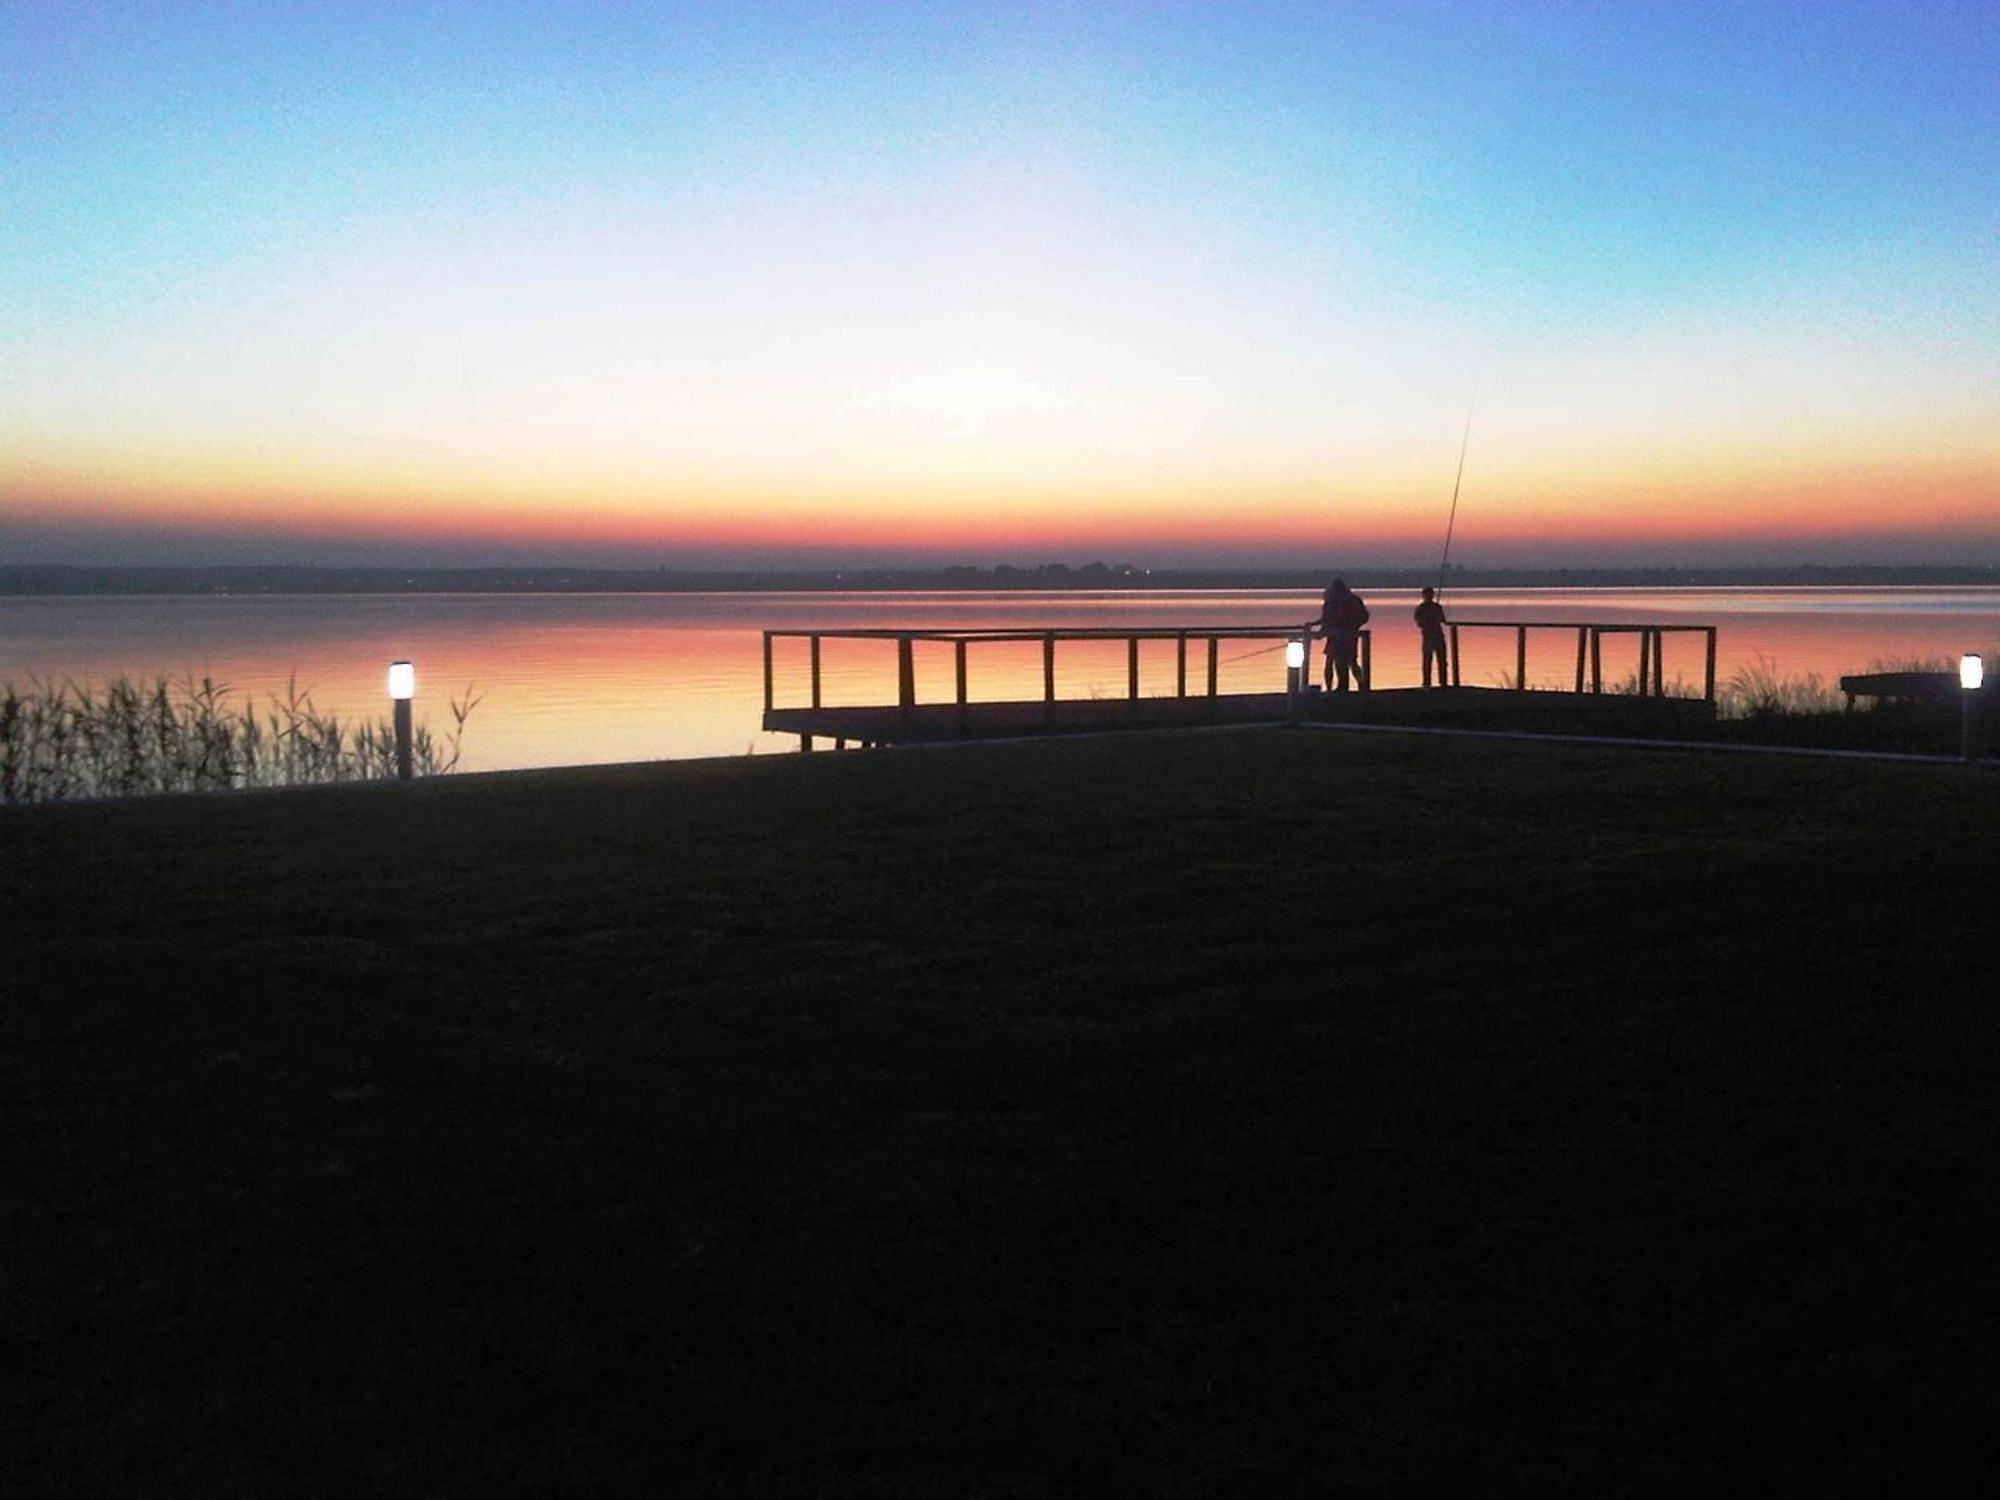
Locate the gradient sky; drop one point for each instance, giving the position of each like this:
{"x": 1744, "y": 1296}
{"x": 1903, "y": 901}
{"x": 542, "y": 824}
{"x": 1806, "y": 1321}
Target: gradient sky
{"x": 652, "y": 284}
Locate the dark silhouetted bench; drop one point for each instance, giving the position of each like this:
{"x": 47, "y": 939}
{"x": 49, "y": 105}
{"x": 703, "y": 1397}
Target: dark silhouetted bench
{"x": 1901, "y": 687}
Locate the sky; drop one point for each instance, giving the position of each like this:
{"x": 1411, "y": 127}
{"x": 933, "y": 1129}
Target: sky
{"x": 725, "y": 285}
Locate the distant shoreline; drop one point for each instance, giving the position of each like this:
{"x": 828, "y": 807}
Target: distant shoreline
{"x": 49, "y": 580}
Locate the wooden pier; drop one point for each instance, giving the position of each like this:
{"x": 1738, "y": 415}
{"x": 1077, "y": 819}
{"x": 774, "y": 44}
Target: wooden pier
{"x": 1291, "y": 697}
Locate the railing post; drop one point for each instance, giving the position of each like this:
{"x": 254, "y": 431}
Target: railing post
{"x": 1708, "y": 689}
{"x": 1180, "y": 665}
{"x": 1049, "y": 678}
{"x": 1581, "y": 632}
{"x": 1659, "y": 664}
{"x": 1367, "y": 658}
{"x": 767, "y": 671}
{"x": 1454, "y": 656}
{"x": 1520, "y": 658}
{"x": 1214, "y": 643}
{"x": 815, "y": 670}
{"x": 1132, "y": 668}
{"x": 906, "y": 674}
{"x": 1645, "y": 663}
{"x": 1596, "y": 660}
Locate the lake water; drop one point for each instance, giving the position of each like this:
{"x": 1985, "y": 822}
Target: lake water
{"x": 578, "y": 678}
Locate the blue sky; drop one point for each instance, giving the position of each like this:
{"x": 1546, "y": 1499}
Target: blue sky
{"x": 937, "y": 279}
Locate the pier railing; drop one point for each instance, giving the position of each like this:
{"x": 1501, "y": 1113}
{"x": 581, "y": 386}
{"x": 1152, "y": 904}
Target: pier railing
{"x": 1213, "y": 637}
{"x": 1590, "y": 651}
{"x": 1209, "y": 642}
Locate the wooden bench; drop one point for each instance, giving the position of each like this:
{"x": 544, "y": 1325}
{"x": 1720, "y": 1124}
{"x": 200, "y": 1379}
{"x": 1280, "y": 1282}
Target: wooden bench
{"x": 1902, "y": 687}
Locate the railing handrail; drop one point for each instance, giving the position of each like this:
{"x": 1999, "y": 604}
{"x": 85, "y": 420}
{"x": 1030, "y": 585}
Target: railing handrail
{"x": 1061, "y": 633}
{"x": 1605, "y": 626}
{"x": 1589, "y": 663}
{"x": 1047, "y": 638}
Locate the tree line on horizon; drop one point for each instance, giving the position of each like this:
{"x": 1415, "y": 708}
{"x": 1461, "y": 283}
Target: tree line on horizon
{"x": 57, "y": 578}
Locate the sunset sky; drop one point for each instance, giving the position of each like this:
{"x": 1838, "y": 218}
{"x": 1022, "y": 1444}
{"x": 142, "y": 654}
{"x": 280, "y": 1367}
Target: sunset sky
{"x": 642, "y": 285}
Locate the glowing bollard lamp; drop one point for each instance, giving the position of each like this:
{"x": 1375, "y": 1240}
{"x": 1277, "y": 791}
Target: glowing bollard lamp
{"x": 402, "y": 687}
{"x": 1295, "y": 675}
{"x": 1971, "y": 673}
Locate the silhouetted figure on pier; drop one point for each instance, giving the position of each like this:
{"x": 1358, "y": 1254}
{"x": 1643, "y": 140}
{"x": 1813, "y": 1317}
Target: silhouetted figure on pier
{"x": 1430, "y": 621}
{"x": 1341, "y": 616}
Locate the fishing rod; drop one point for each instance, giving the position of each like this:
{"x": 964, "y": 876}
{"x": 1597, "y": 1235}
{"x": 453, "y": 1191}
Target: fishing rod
{"x": 1452, "y": 520}
{"x": 1260, "y": 651}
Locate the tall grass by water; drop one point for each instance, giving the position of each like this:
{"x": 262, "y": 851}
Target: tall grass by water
{"x": 127, "y": 738}
{"x": 1759, "y": 690}
{"x": 1756, "y": 691}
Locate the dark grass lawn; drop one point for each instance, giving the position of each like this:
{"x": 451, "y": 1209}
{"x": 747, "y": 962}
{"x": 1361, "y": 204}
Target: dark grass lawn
{"x": 1246, "y": 1113}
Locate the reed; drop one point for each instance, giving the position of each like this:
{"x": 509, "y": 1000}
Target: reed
{"x": 1947, "y": 664}
{"x": 1628, "y": 686}
{"x": 1757, "y": 691}
{"x": 128, "y": 739}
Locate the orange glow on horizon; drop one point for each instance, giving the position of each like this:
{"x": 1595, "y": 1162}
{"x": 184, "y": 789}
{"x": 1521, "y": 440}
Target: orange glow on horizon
{"x": 1555, "y": 510}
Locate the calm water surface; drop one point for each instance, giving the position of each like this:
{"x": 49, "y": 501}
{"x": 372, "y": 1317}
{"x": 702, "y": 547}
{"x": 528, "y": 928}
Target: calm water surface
{"x": 573, "y": 678}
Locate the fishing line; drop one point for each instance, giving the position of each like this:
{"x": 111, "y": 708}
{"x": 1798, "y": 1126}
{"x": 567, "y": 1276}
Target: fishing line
{"x": 1452, "y": 520}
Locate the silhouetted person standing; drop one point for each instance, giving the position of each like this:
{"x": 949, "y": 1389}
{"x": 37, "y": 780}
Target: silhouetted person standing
{"x": 1430, "y": 621}
{"x": 1341, "y": 616}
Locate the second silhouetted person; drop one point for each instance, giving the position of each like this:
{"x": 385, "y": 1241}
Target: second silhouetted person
{"x": 1430, "y": 621}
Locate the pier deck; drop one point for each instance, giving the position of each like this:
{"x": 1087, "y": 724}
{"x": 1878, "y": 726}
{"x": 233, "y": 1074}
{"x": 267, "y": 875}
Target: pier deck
{"x": 1458, "y": 708}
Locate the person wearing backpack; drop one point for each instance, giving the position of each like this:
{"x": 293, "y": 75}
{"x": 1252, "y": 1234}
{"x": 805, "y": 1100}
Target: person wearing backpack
{"x": 1341, "y": 616}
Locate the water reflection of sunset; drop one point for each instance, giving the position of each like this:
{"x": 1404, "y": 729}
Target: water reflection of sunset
{"x": 568, "y": 679}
